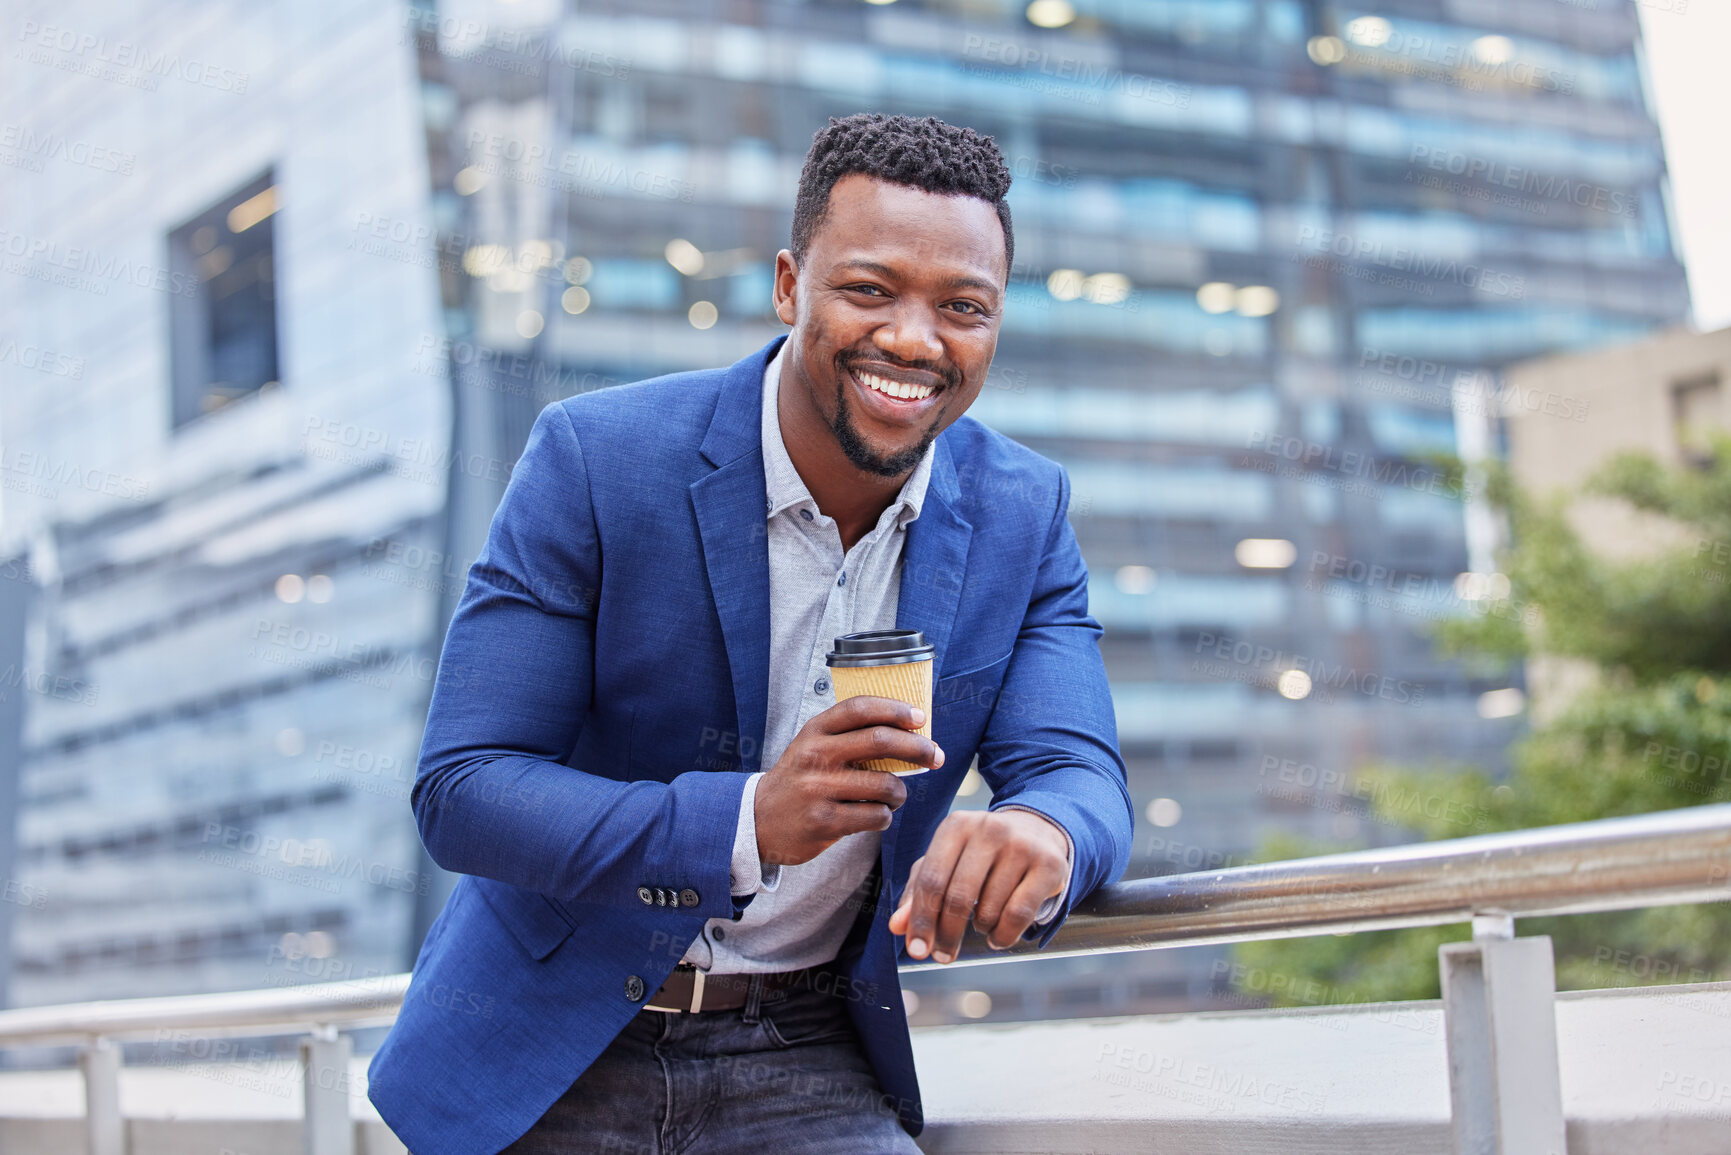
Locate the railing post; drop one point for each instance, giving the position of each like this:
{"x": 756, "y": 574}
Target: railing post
{"x": 327, "y": 1129}
{"x": 1499, "y": 1011}
{"x": 104, "y": 1127}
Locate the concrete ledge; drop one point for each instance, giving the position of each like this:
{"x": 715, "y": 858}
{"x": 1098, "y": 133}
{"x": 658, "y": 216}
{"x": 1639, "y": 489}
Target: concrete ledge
{"x": 1645, "y": 1071}
{"x": 197, "y": 1109}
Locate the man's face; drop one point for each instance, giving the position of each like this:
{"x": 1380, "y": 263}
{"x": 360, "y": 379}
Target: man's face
{"x": 895, "y": 313}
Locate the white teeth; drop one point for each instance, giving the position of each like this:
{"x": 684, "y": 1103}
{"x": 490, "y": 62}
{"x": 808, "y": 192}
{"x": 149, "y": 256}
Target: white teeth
{"x": 896, "y": 388}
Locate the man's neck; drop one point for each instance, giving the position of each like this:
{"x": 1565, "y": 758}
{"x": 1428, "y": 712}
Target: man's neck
{"x": 842, "y": 490}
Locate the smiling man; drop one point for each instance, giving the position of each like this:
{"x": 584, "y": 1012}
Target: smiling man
{"x": 683, "y": 895}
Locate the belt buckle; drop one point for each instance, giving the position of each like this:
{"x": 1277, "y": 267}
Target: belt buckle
{"x": 697, "y": 983}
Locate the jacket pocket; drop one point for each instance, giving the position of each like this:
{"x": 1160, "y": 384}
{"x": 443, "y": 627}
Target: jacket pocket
{"x": 976, "y": 687}
{"x": 529, "y": 915}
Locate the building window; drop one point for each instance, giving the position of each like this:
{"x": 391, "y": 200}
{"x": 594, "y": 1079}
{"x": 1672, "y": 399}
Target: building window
{"x": 1698, "y": 413}
{"x": 222, "y": 338}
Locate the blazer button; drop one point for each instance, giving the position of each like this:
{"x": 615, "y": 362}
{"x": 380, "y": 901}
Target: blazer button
{"x": 647, "y": 895}
{"x": 633, "y": 988}
{"x": 688, "y": 897}
{"x": 660, "y": 896}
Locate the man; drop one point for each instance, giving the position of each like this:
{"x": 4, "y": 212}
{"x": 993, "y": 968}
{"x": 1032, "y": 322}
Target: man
{"x": 669, "y": 935}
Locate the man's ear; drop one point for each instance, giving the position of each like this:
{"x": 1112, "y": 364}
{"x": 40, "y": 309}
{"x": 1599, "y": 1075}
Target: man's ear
{"x": 786, "y": 291}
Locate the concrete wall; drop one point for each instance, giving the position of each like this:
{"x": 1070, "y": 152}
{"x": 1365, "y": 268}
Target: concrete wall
{"x": 1645, "y": 1071}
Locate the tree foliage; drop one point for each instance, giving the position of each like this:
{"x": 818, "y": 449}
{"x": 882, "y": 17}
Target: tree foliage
{"x": 1652, "y": 731}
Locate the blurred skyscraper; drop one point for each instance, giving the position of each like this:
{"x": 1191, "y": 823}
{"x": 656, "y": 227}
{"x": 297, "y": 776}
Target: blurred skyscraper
{"x": 1269, "y": 257}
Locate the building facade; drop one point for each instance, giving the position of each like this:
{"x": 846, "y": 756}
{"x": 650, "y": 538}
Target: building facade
{"x": 1262, "y": 246}
{"x": 1259, "y": 243}
{"x": 214, "y": 437}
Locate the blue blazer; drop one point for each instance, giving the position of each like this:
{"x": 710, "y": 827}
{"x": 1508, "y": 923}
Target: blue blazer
{"x": 601, "y": 699}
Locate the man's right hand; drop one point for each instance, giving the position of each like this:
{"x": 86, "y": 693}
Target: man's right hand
{"x": 815, "y": 795}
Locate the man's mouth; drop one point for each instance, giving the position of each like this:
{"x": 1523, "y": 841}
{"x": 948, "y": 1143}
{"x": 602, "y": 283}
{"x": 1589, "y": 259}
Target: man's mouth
{"x": 894, "y": 388}
{"x": 894, "y": 385}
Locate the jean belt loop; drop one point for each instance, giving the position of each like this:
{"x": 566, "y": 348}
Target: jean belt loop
{"x": 753, "y": 999}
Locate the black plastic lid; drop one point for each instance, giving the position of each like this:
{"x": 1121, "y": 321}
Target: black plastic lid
{"x": 881, "y": 648}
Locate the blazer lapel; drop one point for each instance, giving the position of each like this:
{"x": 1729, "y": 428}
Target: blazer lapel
{"x": 729, "y": 504}
{"x": 934, "y": 559}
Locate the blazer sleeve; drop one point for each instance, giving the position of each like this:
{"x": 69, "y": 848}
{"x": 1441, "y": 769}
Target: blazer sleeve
{"x": 1051, "y": 744}
{"x": 494, "y": 793}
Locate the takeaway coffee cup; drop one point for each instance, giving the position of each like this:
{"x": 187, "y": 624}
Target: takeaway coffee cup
{"x": 888, "y": 664}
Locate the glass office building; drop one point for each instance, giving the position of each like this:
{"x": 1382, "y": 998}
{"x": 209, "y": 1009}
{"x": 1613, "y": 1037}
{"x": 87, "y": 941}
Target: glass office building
{"x": 216, "y": 440}
{"x": 1259, "y": 245}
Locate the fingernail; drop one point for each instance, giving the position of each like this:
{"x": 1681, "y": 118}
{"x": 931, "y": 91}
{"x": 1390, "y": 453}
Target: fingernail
{"x": 943, "y": 956}
{"x": 916, "y": 946}
{"x": 917, "y": 716}
{"x": 940, "y": 760}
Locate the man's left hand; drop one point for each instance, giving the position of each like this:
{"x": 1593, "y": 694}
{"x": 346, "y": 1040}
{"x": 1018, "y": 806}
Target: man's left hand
{"x": 994, "y": 868}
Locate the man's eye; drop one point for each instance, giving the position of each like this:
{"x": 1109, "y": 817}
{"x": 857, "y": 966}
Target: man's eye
{"x": 968, "y": 308}
{"x": 865, "y": 289}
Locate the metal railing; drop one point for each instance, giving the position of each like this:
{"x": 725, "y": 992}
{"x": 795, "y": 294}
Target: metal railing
{"x": 1679, "y": 856}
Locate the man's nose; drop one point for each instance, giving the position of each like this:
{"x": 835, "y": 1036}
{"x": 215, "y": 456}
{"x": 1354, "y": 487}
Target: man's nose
{"x": 911, "y": 334}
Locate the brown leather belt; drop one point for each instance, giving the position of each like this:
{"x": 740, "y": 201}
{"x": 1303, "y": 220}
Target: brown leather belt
{"x": 688, "y": 990}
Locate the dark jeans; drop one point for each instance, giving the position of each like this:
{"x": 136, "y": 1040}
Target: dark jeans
{"x": 774, "y": 1076}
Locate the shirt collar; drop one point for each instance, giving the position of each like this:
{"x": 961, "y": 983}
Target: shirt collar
{"x": 782, "y": 482}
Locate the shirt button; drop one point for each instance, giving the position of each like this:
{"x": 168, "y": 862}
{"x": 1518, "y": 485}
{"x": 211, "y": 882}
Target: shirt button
{"x": 805, "y": 513}
{"x": 719, "y": 933}
{"x": 841, "y": 579}
{"x": 821, "y": 685}
{"x": 633, "y": 988}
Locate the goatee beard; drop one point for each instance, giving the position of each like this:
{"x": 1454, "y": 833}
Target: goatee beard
{"x": 861, "y": 455}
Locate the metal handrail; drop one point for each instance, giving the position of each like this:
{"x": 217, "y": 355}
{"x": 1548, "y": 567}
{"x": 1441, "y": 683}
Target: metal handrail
{"x": 1663, "y": 859}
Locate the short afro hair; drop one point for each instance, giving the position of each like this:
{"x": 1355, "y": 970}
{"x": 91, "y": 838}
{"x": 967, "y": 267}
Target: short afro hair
{"x": 920, "y": 152}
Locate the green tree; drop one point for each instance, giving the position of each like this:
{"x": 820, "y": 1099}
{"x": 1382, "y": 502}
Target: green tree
{"x": 1652, "y": 731}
